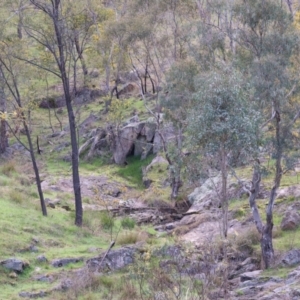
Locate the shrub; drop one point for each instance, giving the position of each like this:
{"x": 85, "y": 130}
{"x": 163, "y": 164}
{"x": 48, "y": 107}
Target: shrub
{"x": 107, "y": 221}
{"x": 128, "y": 223}
{"x": 247, "y": 239}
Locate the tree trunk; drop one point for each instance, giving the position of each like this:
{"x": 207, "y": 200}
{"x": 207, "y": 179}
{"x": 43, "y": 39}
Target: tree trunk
{"x": 19, "y": 28}
{"x": 3, "y": 126}
{"x": 224, "y": 200}
{"x": 79, "y": 52}
{"x": 266, "y": 241}
{"x": 176, "y": 183}
{"x": 66, "y": 85}
{"x": 36, "y": 169}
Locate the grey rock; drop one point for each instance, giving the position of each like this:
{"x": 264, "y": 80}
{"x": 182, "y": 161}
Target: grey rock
{"x": 115, "y": 260}
{"x": 33, "y": 295}
{"x": 139, "y": 145}
{"x": 43, "y": 278}
{"x": 42, "y": 258}
{"x": 149, "y": 131}
{"x": 148, "y": 149}
{"x": 291, "y": 258}
{"x": 62, "y": 146}
{"x": 128, "y": 88}
{"x": 124, "y": 141}
{"x": 57, "y": 263}
{"x": 33, "y": 248}
{"x": 158, "y": 160}
{"x": 14, "y": 264}
{"x": 250, "y": 275}
{"x": 290, "y": 221}
{"x": 94, "y": 73}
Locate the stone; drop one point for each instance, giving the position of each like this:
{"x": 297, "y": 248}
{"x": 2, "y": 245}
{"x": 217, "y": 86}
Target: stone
{"x": 42, "y": 258}
{"x": 58, "y": 263}
{"x": 158, "y": 160}
{"x": 139, "y": 145}
{"x": 44, "y": 278}
{"x": 149, "y": 131}
{"x": 148, "y": 149}
{"x": 33, "y": 295}
{"x": 114, "y": 260}
{"x": 291, "y": 258}
{"x": 15, "y": 264}
{"x": 290, "y": 221}
{"x": 291, "y": 191}
{"x": 94, "y": 73}
{"x": 250, "y": 275}
{"x": 13, "y": 275}
{"x": 53, "y": 102}
{"x": 33, "y": 248}
{"x": 128, "y": 88}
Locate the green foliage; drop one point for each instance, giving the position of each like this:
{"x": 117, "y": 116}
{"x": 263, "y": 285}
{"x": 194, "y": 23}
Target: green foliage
{"x": 118, "y": 109}
{"x": 128, "y": 223}
{"x": 223, "y": 116}
{"x": 107, "y": 220}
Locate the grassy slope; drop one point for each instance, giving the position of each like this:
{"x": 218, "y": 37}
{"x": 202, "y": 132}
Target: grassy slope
{"x": 21, "y": 219}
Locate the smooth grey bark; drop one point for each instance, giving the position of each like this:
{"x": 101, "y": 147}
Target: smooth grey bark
{"x": 266, "y": 229}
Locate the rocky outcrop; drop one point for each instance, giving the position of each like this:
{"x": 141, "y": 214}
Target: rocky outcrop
{"x": 123, "y": 144}
{"x": 135, "y": 138}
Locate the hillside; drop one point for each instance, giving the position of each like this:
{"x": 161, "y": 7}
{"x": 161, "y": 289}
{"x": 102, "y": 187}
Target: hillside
{"x": 107, "y": 190}
{"x": 149, "y": 150}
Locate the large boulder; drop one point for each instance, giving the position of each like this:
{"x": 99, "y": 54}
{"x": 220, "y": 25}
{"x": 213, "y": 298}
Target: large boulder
{"x": 149, "y": 131}
{"x": 291, "y": 258}
{"x": 114, "y": 260}
{"x": 207, "y": 195}
{"x": 15, "y": 264}
{"x": 124, "y": 141}
{"x": 290, "y": 221}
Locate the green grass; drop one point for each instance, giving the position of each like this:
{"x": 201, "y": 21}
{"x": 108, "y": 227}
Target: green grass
{"x": 57, "y": 235}
{"x": 133, "y": 171}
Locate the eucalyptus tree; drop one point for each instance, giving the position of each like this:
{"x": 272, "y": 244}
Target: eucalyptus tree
{"x": 221, "y": 120}
{"x": 266, "y": 44}
{"x": 13, "y": 75}
{"x": 50, "y": 29}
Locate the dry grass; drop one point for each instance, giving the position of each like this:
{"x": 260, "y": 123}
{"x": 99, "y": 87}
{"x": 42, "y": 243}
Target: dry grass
{"x": 8, "y": 167}
{"x": 246, "y": 239}
{"x": 131, "y": 237}
{"x": 16, "y": 196}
